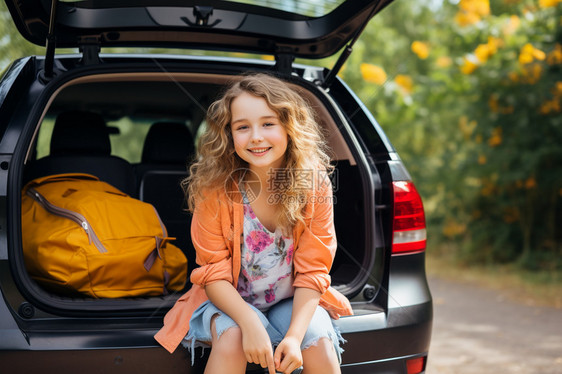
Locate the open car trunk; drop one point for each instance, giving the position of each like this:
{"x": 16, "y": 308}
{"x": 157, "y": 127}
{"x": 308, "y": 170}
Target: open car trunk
{"x": 130, "y": 103}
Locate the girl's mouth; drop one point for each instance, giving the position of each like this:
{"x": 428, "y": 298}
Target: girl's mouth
{"x": 259, "y": 151}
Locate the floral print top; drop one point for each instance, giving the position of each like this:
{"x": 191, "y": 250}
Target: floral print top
{"x": 266, "y": 273}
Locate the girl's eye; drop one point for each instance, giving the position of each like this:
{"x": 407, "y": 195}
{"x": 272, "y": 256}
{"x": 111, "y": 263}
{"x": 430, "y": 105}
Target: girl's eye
{"x": 243, "y": 127}
{"x": 269, "y": 124}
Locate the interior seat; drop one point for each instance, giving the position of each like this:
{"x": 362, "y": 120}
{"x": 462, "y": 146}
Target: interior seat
{"x": 168, "y": 148}
{"x": 80, "y": 144}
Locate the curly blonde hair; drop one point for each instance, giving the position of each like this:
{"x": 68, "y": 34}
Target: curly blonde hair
{"x": 217, "y": 161}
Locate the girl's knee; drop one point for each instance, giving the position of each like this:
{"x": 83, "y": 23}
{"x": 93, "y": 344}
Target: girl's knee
{"x": 227, "y": 354}
{"x": 321, "y": 357}
{"x": 229, "y": 343}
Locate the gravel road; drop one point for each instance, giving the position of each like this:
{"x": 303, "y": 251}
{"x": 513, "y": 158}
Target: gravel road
{"x": 481, "y": 331}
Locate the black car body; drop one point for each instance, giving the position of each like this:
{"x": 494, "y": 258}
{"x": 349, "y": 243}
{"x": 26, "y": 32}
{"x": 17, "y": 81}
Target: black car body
{"x": 379, "y": 216}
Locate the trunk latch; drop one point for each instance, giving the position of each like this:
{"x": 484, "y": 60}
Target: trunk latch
{"x": 284, "y": 63}
{"x": 90, "y": 48}
{"x": 202, "y": 14}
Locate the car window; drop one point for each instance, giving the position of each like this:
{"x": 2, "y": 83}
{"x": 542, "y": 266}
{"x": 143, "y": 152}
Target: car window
{"x": 311, "y": 8}
{"x": 44, "y": 137}
{"x": 128, "y": 142}
{"x": 127, "y": 138}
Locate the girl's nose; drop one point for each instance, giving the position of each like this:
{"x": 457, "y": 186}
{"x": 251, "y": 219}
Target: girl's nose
{"x": 256, "y": 137}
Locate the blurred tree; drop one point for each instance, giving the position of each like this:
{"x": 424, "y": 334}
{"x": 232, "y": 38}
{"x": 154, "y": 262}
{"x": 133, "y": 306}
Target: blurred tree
{"x": 12, "y": 44}
{"x": 470, "y": 93}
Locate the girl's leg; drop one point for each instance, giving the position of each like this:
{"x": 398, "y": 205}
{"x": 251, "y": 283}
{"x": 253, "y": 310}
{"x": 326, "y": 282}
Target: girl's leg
{"x": 319, "y": 343}
{"x": 321, "y": 358}
{"x": 227, "y": 355}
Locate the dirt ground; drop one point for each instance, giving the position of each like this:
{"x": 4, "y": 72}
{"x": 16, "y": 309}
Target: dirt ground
{"x": 482, "y": 331}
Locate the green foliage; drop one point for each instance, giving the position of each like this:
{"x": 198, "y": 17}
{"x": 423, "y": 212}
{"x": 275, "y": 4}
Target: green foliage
{"x": 480, "y": 129}
{"x": 12, "y": 44}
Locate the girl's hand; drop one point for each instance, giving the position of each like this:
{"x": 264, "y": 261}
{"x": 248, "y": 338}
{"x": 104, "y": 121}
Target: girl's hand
{"x": 288, "y": 355}
{"x": 257, "y": 346}
{"x": 334, "y": 315}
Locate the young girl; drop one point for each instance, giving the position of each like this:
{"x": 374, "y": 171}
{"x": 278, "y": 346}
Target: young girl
{"x": 264, "y": 235}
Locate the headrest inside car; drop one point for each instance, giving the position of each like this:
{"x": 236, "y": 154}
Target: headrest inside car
{"x": 80, "y": 133}
{"x": 168, "y": 143}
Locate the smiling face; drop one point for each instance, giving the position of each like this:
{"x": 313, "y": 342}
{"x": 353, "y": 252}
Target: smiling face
{"x": 259, "y": 137}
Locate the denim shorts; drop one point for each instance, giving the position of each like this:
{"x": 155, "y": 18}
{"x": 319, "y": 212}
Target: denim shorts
{"x": 276, "y": 322}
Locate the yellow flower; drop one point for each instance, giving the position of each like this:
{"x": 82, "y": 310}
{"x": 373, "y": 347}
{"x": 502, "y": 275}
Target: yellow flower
{"x": 444, "y": 62}
{"x": 405, "y": 83}
{"x": 525, "y": 58}
{"x": 468, "y": 65}
{"x": 478, "y": 140}
{"x": 526, "y": 54}
{"x": 538, "y": 54}
{"x": 465, "y": 19}
{"x": 529, "y": 53}
{"x": 550, "y": 106}
{"x": 481, "y": 159}
{"x": 496, "y": 138}
{"x": 373, "y": 73}
{"x": 480, "y": 7}
{"x": 494, "y": 44}
{"x": 471, "y": 11}
{"x": 482, "y": 52}
{"x": 421, "y": 49}
{"x": 548, "y": 3}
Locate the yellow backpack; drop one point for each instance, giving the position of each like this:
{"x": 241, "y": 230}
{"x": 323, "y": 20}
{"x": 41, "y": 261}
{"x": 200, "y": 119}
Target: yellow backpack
{"x": 82, "y": 235}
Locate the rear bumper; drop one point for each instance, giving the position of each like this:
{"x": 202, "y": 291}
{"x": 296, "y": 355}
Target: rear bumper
{"x": 377, "y": 341}
{"x": 405, "y": 332}
{"x": 380, "y": 350}
{"x": 390, "y": 366}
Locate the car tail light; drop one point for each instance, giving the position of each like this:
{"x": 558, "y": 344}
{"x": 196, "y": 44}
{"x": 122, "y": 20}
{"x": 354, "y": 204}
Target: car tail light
{"x": 408, "y": 230}
{"x": 415, "y": 365}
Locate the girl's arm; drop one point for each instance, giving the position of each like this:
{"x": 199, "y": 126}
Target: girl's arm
{"x": 288, "y": 356}
{"x": 255, "y": 340}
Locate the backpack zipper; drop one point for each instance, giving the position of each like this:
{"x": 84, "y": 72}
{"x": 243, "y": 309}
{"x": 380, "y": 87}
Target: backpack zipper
{"x": 66, "y": 213}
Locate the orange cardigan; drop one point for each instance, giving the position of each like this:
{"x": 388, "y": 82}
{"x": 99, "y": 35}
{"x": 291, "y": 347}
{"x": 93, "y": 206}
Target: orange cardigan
{"x": 216, "y": 231}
